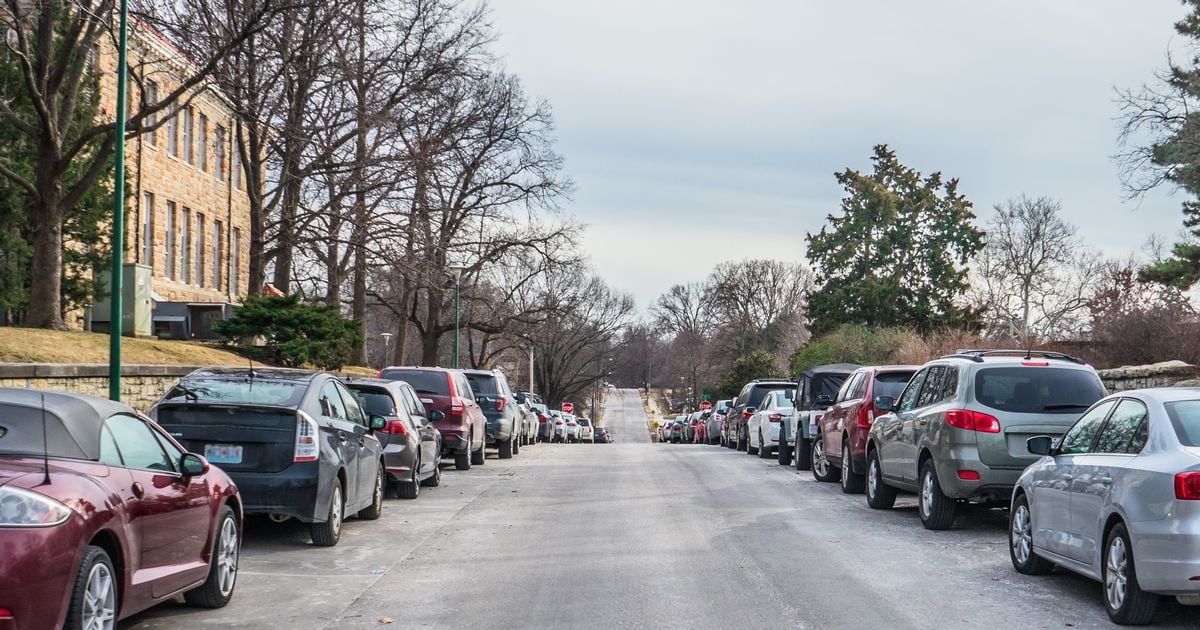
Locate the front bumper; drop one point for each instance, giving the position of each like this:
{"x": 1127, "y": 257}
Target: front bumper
{"x": 37, "y": 573}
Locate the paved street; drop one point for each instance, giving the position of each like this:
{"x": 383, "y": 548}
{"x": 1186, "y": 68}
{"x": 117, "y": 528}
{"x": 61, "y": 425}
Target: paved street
{"x": 635, "y": 534}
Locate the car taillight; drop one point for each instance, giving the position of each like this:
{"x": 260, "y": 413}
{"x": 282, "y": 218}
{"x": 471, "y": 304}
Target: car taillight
{"x": 307, "y": 448}
{"x": 395, "y": 427}
{"x": 972, "y": 421}
{"x": 558, "y": 422}
{"x": 541, "y": 419}
{"x": 500, "y": 402}
{"x": 1035, "y": 363}
{"x": 1187, "y": 486}
{"x": 456, "y": 407}
{"x": 866, "y": 416}
{"x": 968, "y": 475}
{"x": 775, "y": 418}
{"x": 746, "y": 415}
{"x": 379, "y": 374}
{"x": 5, "y": 613}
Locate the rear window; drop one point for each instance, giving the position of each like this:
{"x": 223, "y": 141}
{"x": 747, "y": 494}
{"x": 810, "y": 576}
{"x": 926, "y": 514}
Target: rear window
{"x": 423, "y": 381}
{"x": 375, "y": 403}
{"x": 1037, "y": 389}
{"x": 239, "y": 392}
{"x": 585, "y": 422}
{"x": 1185, "y": 415}
{"x": 21, "y": 434}
{"x": 891, "y": 383}
{"x": 760, "y": 392}
{"x": 483, "y": 384}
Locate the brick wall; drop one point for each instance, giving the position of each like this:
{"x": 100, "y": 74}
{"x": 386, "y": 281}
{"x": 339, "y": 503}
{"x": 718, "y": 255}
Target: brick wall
{"x": 141, "y": 385}
{"x": 1166, "y": 374}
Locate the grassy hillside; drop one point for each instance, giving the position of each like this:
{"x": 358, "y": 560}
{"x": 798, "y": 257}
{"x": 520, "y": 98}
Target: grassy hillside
{"x": 30, "y": 345}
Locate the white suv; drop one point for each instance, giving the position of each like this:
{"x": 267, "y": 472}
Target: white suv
{"x": 763, "y": 427}
{"x": 586, "y": 433}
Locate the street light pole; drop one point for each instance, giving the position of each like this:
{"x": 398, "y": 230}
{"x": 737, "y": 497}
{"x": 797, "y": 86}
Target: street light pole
{"x": 118, "y": 220}
{"x": 387, "y": 345}
{"x": 457, "y": 269}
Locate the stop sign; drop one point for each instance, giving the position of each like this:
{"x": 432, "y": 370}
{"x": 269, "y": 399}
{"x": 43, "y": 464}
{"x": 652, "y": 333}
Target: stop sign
{"x": 705, "y": 405}
{"x": 568, "y": 407}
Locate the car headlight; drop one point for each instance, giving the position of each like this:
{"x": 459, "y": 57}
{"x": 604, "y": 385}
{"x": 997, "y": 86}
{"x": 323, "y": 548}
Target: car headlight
{"x": 22, "y": 508}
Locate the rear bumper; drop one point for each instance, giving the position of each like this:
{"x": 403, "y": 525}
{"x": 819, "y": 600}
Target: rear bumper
{"x": 289, "y": 492}
{"x": 399, "y": 459}
{"x": 1168, "y": 555}
{"x": 994, "y": 483}
{"x": 498, "y": 430}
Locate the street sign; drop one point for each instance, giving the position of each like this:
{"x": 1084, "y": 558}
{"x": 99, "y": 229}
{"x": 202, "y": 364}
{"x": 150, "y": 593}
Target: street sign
{"x": 705, "y": 405}
{"x": 568, "y": 407}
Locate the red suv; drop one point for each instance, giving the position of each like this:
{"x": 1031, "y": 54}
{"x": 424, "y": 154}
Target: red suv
{"x": 463, "y": 425}
{"x": 843, "y": 429}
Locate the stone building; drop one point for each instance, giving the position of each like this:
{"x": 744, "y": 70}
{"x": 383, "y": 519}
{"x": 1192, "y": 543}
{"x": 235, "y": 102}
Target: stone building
{"x": 188, "y": 212}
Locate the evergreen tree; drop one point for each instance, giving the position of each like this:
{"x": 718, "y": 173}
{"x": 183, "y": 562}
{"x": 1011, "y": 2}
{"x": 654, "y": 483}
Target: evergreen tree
{"x": 296, "y": 334}
{"x": 897, "y": 253}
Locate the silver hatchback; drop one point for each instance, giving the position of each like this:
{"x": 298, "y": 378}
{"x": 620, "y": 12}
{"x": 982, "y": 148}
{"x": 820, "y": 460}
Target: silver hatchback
{"x": 1117, "y": 499}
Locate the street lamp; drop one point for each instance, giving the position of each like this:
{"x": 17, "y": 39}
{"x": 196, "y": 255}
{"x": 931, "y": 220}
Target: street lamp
{"x": 457, "y": 269}
{"x": 118, "y": 220}
{"x": 387, "y": 345}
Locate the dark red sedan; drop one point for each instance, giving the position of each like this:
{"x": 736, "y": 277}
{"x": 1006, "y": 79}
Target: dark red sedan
{"x": 103, "y": 515}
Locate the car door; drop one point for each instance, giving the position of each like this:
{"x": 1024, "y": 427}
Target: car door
{"x": 834, "y": 419}
{"x": 903, "y": 448}
{"x": 1098, "y": 471}
{"x": 940, "y": 389}
{"x": 335, "y": 423}
{"x": 430, "y": 444}
{"x": 170, "y": 513}
{"x": 369, "y": 450}
{"x": 1051, "y": 499}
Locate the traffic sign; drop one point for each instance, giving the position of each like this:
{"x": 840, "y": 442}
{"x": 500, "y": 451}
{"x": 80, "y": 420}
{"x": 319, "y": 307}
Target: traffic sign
{"x": 705, "y": 405}
{"x": 568, "y": 407}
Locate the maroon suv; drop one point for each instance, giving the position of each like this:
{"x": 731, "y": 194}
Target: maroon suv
{"x": 845, "y": 426}
{"x": 463, "y": 425}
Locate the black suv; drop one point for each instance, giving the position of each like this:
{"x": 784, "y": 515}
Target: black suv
{"x": 500, "y": 408}
{"x": 296, "y": 443}
{"x": 747, "y": 403}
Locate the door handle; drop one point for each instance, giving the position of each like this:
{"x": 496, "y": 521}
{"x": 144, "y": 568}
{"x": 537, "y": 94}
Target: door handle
{"x": 138, "y": 490}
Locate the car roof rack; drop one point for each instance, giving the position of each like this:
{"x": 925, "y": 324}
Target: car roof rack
{"x": 978, "y": 355}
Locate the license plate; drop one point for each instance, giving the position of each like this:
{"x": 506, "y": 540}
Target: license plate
{"x": 223, "y": 454}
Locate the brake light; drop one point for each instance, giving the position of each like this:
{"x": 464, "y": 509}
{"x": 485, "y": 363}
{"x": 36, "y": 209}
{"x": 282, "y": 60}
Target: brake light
{"x": 307, "y": 448}
{"x": 1187, "y": 486}
{"x": 456, "y": 407}
{"x": 866, "y": 416}
{"x": 746, "y": 415}
{"x": 500, "y": 402}
{"x": 972, "y": 421}
{"x": 1036, "y": 363}
{"x": 395, "y": 427}
{"x": 558, "y": 423}
{"x": 541, "y": 419}
{"x": 968, "y": 475}
{"x": 379, "y": 374}
{"x": 775, "y": 418}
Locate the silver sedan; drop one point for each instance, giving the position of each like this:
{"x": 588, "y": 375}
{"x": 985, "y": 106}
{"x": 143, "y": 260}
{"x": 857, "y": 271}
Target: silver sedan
{"x": 1120, "y": 490}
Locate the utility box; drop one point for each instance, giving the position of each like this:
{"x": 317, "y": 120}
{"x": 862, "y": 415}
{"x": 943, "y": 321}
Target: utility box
{"x": 137, "y": 305}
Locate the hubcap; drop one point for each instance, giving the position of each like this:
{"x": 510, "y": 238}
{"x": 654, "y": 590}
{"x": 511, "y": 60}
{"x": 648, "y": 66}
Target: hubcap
{"x": 227, "y": 557}
{"x": 99, "y": 599}
{"x": 335, "y": 510}
{"x": 1022, "y": 535}
{"x": 820, "y": 464}
{"x": 379, "y": 488}
{"x": 1114, "y": 576}
{"x": 846, "y": 465}
{"x": 416, "y": 475}
{"x": 873, "y": 478}
{"x": 927, "y": 493}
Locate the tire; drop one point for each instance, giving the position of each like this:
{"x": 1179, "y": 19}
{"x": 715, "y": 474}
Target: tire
{"x": 375, "y": 510}
{"x": 1134, "y": 607}
{"x": 880, "y": 496}
{"x": 478, "y": 457}
{"x": 516, "y": 447}
{"x": 822, "y": 470}
{"x": 750, "y": 448}
{"x": 936, "y": 509}
{"x": 96, "y": 573}
{"x": 217, "y": 590}
{"x": 784, "y": 454}
{"x": 410, "y": 488}
{"x": 506, "y": 449}
{"x": 803, "y": 457}
{"x": 1020, "y": 541}
{"x": 462, "y": 461}
{"x": 763, "y": 451}
{"x": 435, "y": 479}
{"x": 852, "y": 483}
{"x": 328, "y": 534}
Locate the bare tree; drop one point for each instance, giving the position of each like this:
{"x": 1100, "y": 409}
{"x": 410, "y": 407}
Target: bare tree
{"x": 762, "y": 304}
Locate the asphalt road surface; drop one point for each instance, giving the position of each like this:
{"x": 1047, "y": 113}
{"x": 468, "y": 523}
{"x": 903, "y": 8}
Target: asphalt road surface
{"x": 642, "y": 535}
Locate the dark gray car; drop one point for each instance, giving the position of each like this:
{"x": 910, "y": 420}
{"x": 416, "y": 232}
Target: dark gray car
{"x": 412, "y": 446}
{"x": 499, "y": 406}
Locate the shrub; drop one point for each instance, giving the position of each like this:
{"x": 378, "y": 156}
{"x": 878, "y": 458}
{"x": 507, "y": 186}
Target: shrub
{"x": 296, "y": 334}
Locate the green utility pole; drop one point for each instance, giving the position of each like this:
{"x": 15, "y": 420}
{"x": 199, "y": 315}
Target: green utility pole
{"x": 457, "y": 284}
{"x": 118, "y": 239}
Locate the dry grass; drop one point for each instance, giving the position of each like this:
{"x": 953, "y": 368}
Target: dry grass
{"x": 31, "y": 345}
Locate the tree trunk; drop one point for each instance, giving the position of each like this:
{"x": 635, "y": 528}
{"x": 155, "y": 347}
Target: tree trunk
{"x": 45, "y": 291}
{"x": 431, "y": 339}
{"x": 251, "y": 162}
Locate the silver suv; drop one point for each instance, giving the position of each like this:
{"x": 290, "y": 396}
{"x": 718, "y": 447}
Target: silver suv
{"x": 958, "y": 430}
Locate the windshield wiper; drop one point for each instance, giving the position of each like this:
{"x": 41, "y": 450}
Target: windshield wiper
{"x": 1065, "y": 406}
{"x": 426, "y": 391}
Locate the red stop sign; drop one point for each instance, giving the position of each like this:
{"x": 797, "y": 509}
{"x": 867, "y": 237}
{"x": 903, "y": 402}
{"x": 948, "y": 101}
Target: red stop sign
{"x": 705, "y": 405}
{"x": 568, "y": 407}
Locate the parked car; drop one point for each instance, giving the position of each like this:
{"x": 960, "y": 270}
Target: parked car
{"x": 764, "y": 423}
{"x": 747, "y": 403}
{"x": 560, "y": 426}
{"x": 713, "y": 429}
{"x": 689, "y": 429}
{"x": 412, "y": 446}
{"x": 958, "y": 430}
{"x": 679, "y": 429}
{"x": 586, "y": 432}
{"x": 816, "y": 389}
{"x": 572, "y": 424}
{"x": 602, "y": 436}
{"x": 94, "y": 494}
{"x": 841, "y": 440}
{"x": 1120, "y": 491}
{"x": 529, "y": 417}
{"x": 702, "y": 428}
{"x": 664, "y": 430}
{"x": 545, "y": 431}
{"x": 499, "y": 407}
{"x": 463, "y": 425}
{"x": 296, "y": 442}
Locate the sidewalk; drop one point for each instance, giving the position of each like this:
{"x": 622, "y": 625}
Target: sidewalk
{"x": 652, "y": 415}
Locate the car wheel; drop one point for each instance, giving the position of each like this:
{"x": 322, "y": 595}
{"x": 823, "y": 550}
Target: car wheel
{"x": 217, "y": 590}
{"x": 1126, "y": 602}
{"x": 462, "y": 461}
{"x": 936, "y": 509}
{"x": 478, "y": 457}
{"x": 516, "y": 447}
{"x": 784, "y": 453}
{"x": 1020, "y": 541}
{"x": 410, "y": 488}
{"x": 750, "y": 448}
{"x": 822, "y": 470}
{"x": 506, "y": 449}
{"x": 851, "y": 483}
{"x": 880, "y": 496}
{"x": 94, "y": 597}
{"x": 328, "y": 534}
{"x": 803, "y": 457}
{"x": 763, "y": 451}
{"x": 434, "y": 480}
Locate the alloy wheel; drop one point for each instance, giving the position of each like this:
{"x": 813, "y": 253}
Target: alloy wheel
{"x": 335, "y": 510}
{"x": 1114, "y": 577}
{"x": 873, "y": 479}
{"x": 227, "y": 558}
{"x": 1021, "y": 537}
{"x": 820, "y": 462}
{"x": 100, "y": 599}
{"x": 927, "y": 494}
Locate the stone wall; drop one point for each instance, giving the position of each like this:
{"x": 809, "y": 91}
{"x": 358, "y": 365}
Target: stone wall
{"x": 1166, "y": 374}
{"x": 141, "y": 385}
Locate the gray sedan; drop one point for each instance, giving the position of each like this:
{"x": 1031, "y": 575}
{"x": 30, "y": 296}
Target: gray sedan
{"x": 1120, "y": 490}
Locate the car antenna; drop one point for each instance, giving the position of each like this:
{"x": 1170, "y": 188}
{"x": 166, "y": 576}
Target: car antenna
{"x": 45, "y": 446}
{"x": 252, "y": 375}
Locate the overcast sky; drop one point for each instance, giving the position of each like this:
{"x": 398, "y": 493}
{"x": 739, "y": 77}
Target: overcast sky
{"x": 705, "y": 130}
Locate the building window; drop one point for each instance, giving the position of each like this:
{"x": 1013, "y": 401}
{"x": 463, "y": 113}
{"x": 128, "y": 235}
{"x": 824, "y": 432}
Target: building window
{"x": 151, "y": 99}
{"x": 189, "y": 149}
{"x": 173, "y": 132}
{"x": 235, "y": 244}
{"x": 202, "y": 148}
{"x": 169, "y": 249}
{"x": 148, "y": 230}
{"x": 236, "y": 166}
{"x": 218, "y": 238}
{"x": 219, "y": 153}
{"x": 185, "y": 246}
{"x": 199, "y": 249}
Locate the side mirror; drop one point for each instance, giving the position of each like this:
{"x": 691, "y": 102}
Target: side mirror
{"x": 1040, "y": 445}
{"x": 824, "y": 400}
{"x": 885, "y": 404}
{"x": 192, "y": 465}
{"x": 436, "y": 416}
{"x": 751, "y": 410}
{"x": 377, "y": 423}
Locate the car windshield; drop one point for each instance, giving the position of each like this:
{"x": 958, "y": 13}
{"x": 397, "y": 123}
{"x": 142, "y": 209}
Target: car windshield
{"x": 891, "y": 383}
{"x": 245, "y": 391}
{"x": 1037, "y": 389}
{"x": 1185, "y": 416}
{"x": 375, "y": 403}
{"x": 423, "y": 381}
{"x": 483, "y": 384}
{"x": 759, "y": 392}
